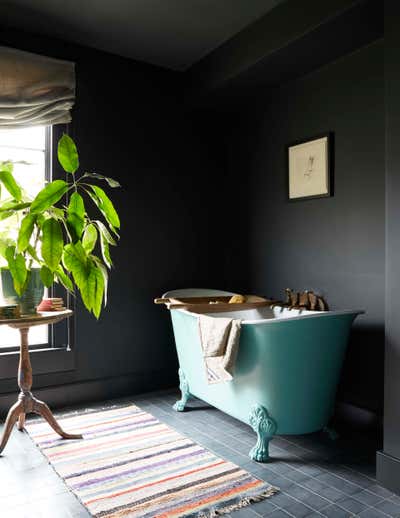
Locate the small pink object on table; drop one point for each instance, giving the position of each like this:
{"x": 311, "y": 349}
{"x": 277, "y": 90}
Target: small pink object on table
{"x": 51, "y": 304}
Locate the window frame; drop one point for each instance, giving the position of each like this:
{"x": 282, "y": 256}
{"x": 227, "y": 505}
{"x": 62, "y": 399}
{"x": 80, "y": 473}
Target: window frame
{"x": 58, "y": 354}
{"x": 47, "y": 178}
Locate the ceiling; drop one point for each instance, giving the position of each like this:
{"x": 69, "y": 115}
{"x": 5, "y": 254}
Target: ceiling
{"x": 170, "y": 33}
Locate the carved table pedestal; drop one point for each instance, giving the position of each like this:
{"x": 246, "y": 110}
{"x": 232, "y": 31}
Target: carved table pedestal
{"x": 26, "y": 402}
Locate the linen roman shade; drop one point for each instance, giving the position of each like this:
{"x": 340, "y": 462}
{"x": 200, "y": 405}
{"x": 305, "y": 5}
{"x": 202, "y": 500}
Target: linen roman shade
{"x": 34, "y": 90}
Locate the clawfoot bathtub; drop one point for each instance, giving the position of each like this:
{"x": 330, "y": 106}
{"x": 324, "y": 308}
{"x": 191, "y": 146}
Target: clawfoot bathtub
{"x": 286, "y": 371}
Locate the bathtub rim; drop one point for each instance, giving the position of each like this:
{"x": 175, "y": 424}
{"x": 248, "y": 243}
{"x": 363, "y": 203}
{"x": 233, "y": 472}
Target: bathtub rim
{"x": 310, "y": 314}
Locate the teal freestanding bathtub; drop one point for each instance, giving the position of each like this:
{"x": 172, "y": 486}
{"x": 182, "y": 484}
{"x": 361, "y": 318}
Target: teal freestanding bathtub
{"x": 286, "y": 371}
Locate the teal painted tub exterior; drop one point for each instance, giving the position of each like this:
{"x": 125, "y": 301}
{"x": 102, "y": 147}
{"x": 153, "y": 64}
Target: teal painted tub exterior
{"x": 286, "y": 373}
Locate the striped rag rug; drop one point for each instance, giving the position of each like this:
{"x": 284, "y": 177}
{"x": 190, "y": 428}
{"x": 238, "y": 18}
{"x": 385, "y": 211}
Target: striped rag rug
{"x": 129, "y": 464}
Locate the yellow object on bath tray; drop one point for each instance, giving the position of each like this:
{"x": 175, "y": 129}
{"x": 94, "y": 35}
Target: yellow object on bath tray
{"x": 237, "y": 299}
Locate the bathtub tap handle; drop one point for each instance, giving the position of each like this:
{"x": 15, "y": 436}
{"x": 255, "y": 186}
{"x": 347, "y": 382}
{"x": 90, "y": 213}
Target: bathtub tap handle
{"x": 292, "y": 298}
{"x": 313, "y": 300}
{"x": 161, "y": 301}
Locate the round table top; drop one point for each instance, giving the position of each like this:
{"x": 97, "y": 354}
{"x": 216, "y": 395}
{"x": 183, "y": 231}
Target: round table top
{"x": 42, "y": 317}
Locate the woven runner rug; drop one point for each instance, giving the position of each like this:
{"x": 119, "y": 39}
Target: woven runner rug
{"x": 129, "y": 464}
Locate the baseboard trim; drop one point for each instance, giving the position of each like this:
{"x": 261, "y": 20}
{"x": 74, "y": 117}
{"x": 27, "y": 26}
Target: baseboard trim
{"x": 388, "y": 471}
{"x": 97, "y": 390}
{"x": 357, "y": 418}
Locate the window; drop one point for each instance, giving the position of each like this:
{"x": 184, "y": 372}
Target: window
{"x": 30, "y": 145}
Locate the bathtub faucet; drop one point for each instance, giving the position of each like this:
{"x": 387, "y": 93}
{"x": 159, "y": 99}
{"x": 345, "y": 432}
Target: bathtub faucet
{"x": 305, "y": 300}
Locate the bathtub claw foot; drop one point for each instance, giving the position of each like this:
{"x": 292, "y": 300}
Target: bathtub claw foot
{"x": 185, "y": 394}
{"x": 179, "y": 406}
{"x": 332, "y": 434}
{"x": 265, "y": 427}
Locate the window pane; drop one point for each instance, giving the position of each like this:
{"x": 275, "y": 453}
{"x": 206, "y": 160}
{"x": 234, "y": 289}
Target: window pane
{"x": 29, "y": 145}
{"x": 10, "y": 337}
{"x": 30, "y": 176}
{"x": 30, "y": 138}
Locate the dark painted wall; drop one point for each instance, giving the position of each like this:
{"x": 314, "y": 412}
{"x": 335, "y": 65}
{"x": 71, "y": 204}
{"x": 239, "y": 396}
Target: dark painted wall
{"x": 128, "y": 123}
{"x": 336, "y": 245}
{"x": 388, "y": 461}
{"x": 169, "y": 200}
{"x": 392, "y": 76}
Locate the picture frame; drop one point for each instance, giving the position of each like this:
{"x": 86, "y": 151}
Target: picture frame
{"x": 310, "y": 168}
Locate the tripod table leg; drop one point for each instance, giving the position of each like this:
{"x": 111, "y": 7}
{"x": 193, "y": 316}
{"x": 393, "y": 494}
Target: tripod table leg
{"x": 12, "y": 418}
{"x": 41, "y": 408}
{"x": 21, "y": 421}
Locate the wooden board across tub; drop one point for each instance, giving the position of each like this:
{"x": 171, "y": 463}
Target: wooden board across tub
{"x": 217, "y": 304}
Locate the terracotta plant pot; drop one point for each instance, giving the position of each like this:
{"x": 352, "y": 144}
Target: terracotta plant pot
{"x": 31, "y": 297}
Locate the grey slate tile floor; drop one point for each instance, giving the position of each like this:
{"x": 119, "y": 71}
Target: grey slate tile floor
{"x": 316, "y": 476}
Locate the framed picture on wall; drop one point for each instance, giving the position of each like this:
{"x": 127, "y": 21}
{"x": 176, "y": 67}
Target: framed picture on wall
{"x": 310, "y": 168}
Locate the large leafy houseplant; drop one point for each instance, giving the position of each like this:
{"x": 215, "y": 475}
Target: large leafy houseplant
{"x": 57, "y": 234}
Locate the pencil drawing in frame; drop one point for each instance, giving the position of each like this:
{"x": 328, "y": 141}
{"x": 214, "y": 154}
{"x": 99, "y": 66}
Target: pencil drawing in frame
{"x": 309, "y": 168}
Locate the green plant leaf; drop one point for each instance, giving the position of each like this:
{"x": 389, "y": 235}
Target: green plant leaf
{"x": 52, "y": 243}
{"x": 105, "y": 250}
{"x": 75, "y": 261}
{"x": 68, "y": 154}
{"x": 106, "y": 206}
{"x": 8, "y": 208}
{"x": 8, "y": 180}
{"x": 47, "y": 276}
{"x": 5, "y": 242}
{"x": 9, "y": 166}
{"x": 64, "y": 279}
{"x": 92, "y": 294}
{"x": 89, "y": 238}
{"x": 40, "y": 219}
{"x": 98, "y": 291}
{"x": 17, "y": 267}
{"x": 85, "y": 295}
{"x": 76, "y": 205}
{"x": 49, "y": 195}
{"x": 12, "y": 206}
{"x": 25, "y": 232}
{"x": 106, "y": 234}
{"x": 32, "y": 252}
{"x": 6, "y": 166}
{"x": 56, "y": 212}
{"x": 104, "y": 272}
{"x": 76, "y": 216}
{"x": 75, "y": 226}
{"x": 5, "y": 215}
{"x": 27, "y": 279}
{"x": 111, "y": 182}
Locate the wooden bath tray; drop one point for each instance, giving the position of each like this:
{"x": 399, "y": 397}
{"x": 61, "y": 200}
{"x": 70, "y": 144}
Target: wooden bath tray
{"x": 217, "y": 304}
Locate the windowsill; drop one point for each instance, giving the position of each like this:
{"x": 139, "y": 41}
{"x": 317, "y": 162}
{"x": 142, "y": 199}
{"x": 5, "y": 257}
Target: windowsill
{"x": 15, "y": 349}
{"x": 44, "y": 361}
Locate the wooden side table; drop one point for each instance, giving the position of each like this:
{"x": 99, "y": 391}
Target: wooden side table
{"x": 26, "y": 402}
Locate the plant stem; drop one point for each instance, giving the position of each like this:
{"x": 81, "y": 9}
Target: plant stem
{"x": 34, "y": 247}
